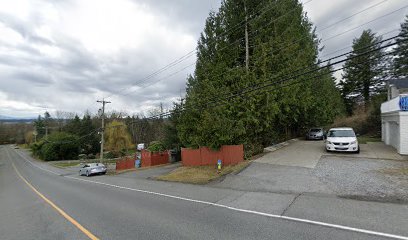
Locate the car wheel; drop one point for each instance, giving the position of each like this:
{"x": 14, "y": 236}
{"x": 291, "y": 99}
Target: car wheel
{"x": 87, "y": 173}
{"x": 358, "y": 149}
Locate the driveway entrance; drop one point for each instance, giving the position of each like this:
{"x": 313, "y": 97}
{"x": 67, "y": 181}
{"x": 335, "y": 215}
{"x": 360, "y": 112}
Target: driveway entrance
{"x": 307, "y": 154}
{"x": 304, "y": 167}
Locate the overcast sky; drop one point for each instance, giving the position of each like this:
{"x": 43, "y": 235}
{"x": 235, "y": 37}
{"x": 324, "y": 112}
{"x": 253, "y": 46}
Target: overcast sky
{"x": 66, "y": 54}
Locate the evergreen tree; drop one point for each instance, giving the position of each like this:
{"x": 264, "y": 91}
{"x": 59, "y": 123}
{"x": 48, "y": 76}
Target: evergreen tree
{"x": 73, "y": 126}
{"x": 39, "y": 126}
{"x": 89, "y": 140}
{"x": 400, "y": 63}
{"x": 281, "y": 40}
{"x": 362, "y": 77}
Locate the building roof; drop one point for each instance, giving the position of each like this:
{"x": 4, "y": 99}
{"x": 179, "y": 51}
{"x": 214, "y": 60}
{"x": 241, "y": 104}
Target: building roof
{"x": 399, "y": 83}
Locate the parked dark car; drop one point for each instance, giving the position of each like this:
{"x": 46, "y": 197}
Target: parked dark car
{"x": 315, "y": 134}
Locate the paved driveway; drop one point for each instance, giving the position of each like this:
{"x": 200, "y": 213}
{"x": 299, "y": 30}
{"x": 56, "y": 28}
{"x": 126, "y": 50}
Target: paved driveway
{"x": 297, "y": 154}
{"x": 303, "y": 167}
{"x": 307, "y": 154}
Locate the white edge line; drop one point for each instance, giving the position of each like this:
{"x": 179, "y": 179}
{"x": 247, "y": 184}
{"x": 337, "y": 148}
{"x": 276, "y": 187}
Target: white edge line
{"x": 352, "y": 229}
{"x": 251, "y": 211}
{"x": 35, "y": 165}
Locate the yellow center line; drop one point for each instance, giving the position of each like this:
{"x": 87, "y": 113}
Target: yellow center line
{"x": 64, "y": 214}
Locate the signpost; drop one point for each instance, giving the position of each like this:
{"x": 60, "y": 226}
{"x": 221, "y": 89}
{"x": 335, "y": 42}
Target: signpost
{"x": 35, "y": 133}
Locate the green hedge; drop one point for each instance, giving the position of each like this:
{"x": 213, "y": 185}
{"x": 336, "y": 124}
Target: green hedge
{"x": 58, "y": 146}
{"x": 156, "y": 146}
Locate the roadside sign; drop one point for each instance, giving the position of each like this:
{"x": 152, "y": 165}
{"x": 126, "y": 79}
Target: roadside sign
{"x": 403, "y": 103}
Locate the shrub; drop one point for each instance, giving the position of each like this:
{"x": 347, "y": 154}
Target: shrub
{"x": 49, "y": 152}
{"x": 109, "y": 155}
{"x": 36, "y": 148}
{"x": 156, "y": 146}
{"x": 58, "y": 146}
{"x": 358, "y": 122}
{"x": 365, "y": 121}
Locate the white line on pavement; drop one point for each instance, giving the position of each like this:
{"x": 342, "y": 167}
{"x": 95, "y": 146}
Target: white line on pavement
{"x": 35, "y": 165}
{"x": 337, "y": 226}
{"x": 250, "y": 211}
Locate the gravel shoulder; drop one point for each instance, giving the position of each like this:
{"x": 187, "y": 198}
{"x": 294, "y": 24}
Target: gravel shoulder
{"x": 345, "y": 177}
{"x": 365, "y": 179}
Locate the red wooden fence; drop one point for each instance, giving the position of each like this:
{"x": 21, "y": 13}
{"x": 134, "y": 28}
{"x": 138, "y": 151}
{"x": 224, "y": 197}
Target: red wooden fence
{"x": 229, "y": 154}
{"x": 125, "y": 163}
{"x": 154, "y": 158}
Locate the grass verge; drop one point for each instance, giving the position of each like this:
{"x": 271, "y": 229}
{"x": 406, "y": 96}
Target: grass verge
{"x": 201, "y": 174}
{"x": 65, "y": 164}
{"x": 365, "y": 139}
{"x": 73, "y": 163}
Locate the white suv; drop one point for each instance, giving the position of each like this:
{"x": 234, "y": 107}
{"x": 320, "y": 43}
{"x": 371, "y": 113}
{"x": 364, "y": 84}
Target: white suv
{"x": 342, "y": 140}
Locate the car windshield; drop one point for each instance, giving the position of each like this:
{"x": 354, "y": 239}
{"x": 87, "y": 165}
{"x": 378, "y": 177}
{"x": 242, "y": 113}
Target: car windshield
{"x": 315, "y": 130}
{"x": 341, "y": 133}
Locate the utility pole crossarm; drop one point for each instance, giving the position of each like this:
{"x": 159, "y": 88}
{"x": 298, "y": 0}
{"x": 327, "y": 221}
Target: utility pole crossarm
{"x": 103, "y": 126}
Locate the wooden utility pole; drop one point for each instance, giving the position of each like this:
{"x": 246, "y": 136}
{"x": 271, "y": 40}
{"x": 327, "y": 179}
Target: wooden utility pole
{"x": 246, "y": 40}
{"x": 103, "y": 126}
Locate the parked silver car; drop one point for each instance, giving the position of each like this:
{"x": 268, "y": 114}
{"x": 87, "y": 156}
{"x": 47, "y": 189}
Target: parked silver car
{"x": 92, "y": 169}
{"x": 315, "y": 134}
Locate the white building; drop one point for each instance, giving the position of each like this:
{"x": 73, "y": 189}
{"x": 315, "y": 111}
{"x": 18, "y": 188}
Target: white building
{"x": 394, "y": 116}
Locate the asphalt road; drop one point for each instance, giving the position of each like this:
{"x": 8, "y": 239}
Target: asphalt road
{"x": 87, "y": 209}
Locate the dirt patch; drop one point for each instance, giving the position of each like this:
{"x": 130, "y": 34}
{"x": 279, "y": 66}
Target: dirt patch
{"x": 259, "y": 155}
{"x": 395, "y": 171}
{"x": 201, "y": 174}
{"x": 140, "y": 169}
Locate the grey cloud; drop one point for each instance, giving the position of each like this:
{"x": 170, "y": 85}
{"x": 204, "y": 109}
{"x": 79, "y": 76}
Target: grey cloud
{"x": 24, "y": 29}
{"x": 189, "y": 14}
{"x": 73, "y": 79}
{"x": 32, "y": 77}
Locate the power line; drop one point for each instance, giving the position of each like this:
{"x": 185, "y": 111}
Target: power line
{"x": 288, "y": 78}
{"x": 344, "y": 32}
{"x": 341, "y": 49}
{"x": 284, "y": 80}
{"x": 325, "y": 28}
{"x": 193, "y": 51}
{"x": 373, "y": 20}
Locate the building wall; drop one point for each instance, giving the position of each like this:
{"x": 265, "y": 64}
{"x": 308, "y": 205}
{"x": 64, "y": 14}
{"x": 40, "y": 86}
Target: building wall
{"x": 390, "y": 129}
{"x": 395, "y": 130}
{"x": 404, "y": 133}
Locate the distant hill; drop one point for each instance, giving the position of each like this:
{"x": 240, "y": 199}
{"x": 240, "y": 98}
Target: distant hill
{"x": 8, "y": 119}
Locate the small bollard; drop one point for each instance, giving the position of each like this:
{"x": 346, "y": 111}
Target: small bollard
{"x": 219, "y": 164}
{"x": 138, "y": 163}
